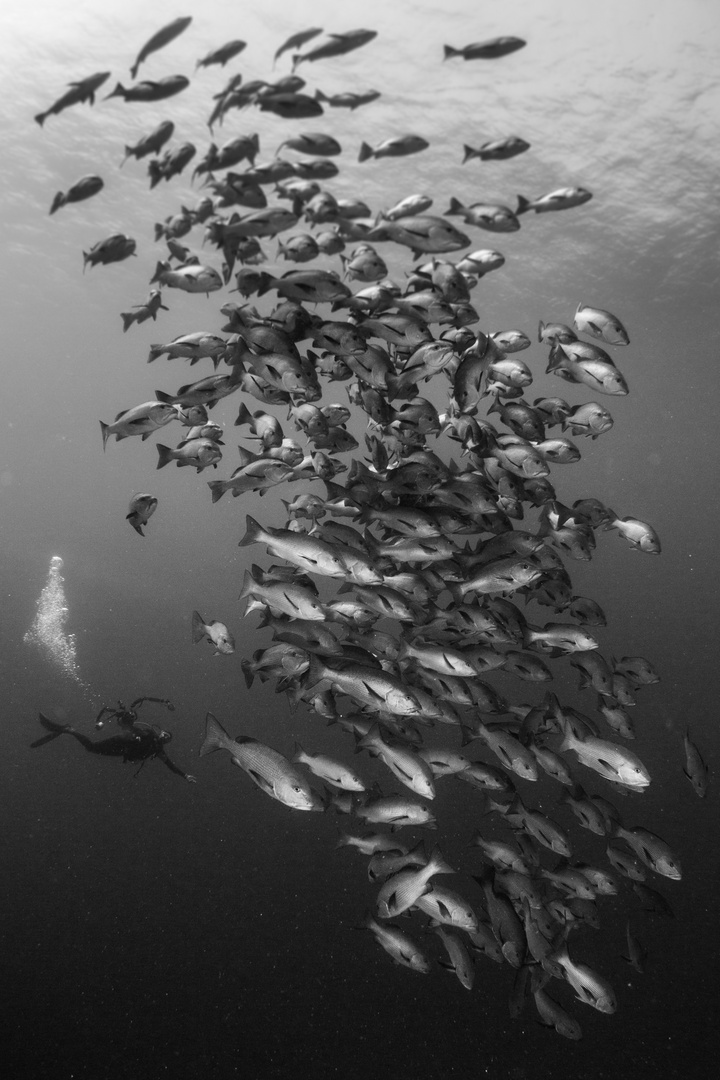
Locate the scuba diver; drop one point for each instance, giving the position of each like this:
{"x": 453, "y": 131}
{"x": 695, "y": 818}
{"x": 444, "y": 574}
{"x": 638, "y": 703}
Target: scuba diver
{"x": 136, "y": 742}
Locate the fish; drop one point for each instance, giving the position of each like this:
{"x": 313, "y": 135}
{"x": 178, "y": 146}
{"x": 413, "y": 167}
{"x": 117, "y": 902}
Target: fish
{"x": 409, "y": 768}
{"x": 327, "y": 769}
{"x": 349, "y": 100}
{"x": 448, "y": 908}
{"x": 159, "y": 40}
{"x": 485, "y": 50}
{"x": 338, "y": 45}
{"x": 222, "y": 54}
{"x": 491, "y": 216}
{"x": 170, "y": 164}
{"x": 553, "y": 1015}
{"x": 590, "y": 988}
{"x": 401, "y": 891}
{"x": 216, "y": 633}
{"x": 600, "y": 324}
{"x": 395, "y": 811}
{"x": 141, "y": 509}
{"x": 283, "y": 598}
{"x": 113, "y": 249}
{"x": 651, "y": 850}
{"x": 80, "y": 91}
{"x": 295, "y": 41}
{"x": 308, "y": 553}
{"x": 140, "y": 420}
{"x": 398, "y": 146}
{"x": 695, "y": 768}
{"x": 497, "y": 149}
{"x": 193, "y": 346}
{"x": 315, "y": 143}
{"x": 151, "y": 143}
{"x": 151, "y": 91}
{"x": 400, "y": 948}
{"x": 192, "y": 278}
{"x": 199, "y": 453}
{"x": 639, "y": 534}
{"x": 267, "y": 768}
{"x": 561, "y": 199}
{"x": 422, "y": 233}
{"x": 84, "y": 188}
{"x": 291, "y": 105}
{"x": 610, "y": 760}
{"x": 459, "y": 960}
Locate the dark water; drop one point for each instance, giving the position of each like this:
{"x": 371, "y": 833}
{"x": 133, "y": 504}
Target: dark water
{"x": 154, "y": 928}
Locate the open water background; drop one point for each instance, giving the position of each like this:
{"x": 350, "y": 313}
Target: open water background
{"x": 152, "y": 928}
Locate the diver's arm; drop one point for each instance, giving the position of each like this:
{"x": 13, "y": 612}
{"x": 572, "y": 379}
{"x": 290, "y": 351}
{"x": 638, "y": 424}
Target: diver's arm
{"x": 173, "y": 767}
{"x": 158, "y": 701}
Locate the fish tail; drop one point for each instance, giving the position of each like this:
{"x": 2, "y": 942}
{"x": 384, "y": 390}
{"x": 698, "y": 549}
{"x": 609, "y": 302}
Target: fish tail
{"x": 319, "y": 96}
{"x": 436, "y": 858}
{"x": 455, "y": 206}
{"x": 165, "y": 456}
{"x": 128, "y": 318}
{"x": 161, "y": 268}
{"x": 247, "y": 672}
{"x": 217, "y": 489}
{"x": 523, "y": 205}
{"x": 365, "y": 152}
{"x": 53, "y": 728}
{"x": 247, "y": 585}
{"x": 253, "y": 534}
{"x": 105, "y": 433}
{"x": 448, "y": 51}
{"x": 198, "y": 627}
{"x": 155, "y": 351}
{"x": 134, "y": 70}
{"x": 136, "y": 524}
{"x": 468, "y": 153}
{"x": 216, "y": 737}
{"x": 244, "y": 415}
{"x": 118, "y": 91}
{"x": 41, "y": 117}
{"x": 57, "y": 202}
{"x": 266, "y": 283}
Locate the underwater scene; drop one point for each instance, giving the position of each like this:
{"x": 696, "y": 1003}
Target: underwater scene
{"x": 357, "y": 496}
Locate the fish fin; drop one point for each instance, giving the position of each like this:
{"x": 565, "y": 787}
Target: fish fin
{"x": 198, "y": 627}
{"x": 54, "y": 729}
{"x": 248, "y": 673}
{"x": 165, "y": 455}
{"x": 216, "y": 738}
{"x": 253, "y": 533}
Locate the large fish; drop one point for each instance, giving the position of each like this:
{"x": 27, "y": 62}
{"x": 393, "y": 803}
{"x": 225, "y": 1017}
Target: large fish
{"x": 80, "y": 91}
{"x": 272, "y": 772}
{"x": 160, "y": 39}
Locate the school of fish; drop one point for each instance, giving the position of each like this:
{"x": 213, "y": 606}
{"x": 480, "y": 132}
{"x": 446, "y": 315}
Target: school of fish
{"x": 394, "y": 595}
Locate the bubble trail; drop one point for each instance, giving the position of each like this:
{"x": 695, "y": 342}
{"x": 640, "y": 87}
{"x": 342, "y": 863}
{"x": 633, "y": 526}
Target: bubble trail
{"x": 48, "y": 629}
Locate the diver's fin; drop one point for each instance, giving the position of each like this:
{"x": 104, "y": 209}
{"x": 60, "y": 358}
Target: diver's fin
{"x": 54, "y": 729}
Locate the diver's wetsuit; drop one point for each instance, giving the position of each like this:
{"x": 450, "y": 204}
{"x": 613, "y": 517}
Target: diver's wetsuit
{"x": 137, "y": 742}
